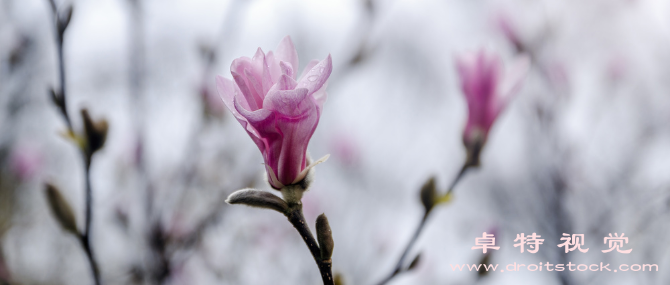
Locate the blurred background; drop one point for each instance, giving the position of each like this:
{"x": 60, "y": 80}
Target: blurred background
{"x": 584, "y": 148}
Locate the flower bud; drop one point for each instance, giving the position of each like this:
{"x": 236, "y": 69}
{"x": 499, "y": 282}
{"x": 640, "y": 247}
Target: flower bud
{"x": 325, "y": 237}
{"x": 61, "y": 209}
{"x": 487, "y": 91}
{"x": 257, "y": 198}
{"x": 96, "y": 132}
{"x": 428, "y": 194}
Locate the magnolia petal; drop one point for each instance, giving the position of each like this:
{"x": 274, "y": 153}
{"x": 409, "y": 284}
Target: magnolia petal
{"x": 240, "y": 64}
{"x": 226, "y": 89}
{"x": 479, "y": 74}
{"x": 247, "y": 94}
{"x": 262, "y": 72}
{"x": 289, "y": 103}
{"x": 284, "y": 82}
{"x": 465, "y": 65}
{"x": 314, "y": 79}
{"x": 286, "y": 68}
{"x": 273, "y": 178}
{"x": 311, "y": 64}
{"x": 286, "y": 52}
{"x": 260, "y": 126}
{"x": 273, "y": 66}
{"x": 304, "y": 172}
{"x": 320, "y": 96}
{"x": 296, "y": 122}
{"x": 256, "y": 88}
{"x": 257, "y": 61}
{"x": 252, "y": 116}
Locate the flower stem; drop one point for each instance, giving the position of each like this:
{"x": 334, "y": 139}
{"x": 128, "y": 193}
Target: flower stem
{"x": 399, "y": 265}
{"x": 297, "y": 219}
{"x": 85, "y": 237}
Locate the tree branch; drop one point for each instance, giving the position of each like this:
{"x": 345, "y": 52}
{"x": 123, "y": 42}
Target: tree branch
{"x": 297, "y": 219}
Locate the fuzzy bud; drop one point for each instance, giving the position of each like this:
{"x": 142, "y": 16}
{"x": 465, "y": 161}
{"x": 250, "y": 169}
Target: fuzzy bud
{"x": 325, "y": 237}
{"x": 257, "y": 198}
{"x": 428, "y": 194}
{"x": 61, "y": 209}
{"x": 96, "y": 132}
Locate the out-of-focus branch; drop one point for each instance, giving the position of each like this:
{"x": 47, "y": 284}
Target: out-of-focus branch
{"x": 59, "y": 98}
{"x": 162, "y": 244}
{"x": 93, "y": 139}
{"x": 429, "y": 203}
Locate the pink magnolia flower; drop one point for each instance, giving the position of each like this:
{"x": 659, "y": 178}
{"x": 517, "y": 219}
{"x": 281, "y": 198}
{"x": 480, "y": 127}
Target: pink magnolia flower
{"x": 487, "y": 91}
{"x": 278, "y": 109}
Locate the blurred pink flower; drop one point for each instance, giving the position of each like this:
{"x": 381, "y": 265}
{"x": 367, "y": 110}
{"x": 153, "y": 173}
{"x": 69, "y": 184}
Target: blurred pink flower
{"x": 25, "y": 161}
{"x": 278, "y": 109}
{"x": 509, "y": 30}
{"x": 487, "y": 90}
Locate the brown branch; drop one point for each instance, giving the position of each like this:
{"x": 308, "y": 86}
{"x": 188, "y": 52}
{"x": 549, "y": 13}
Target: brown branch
{"x": 399, "y": 265}
{"x": 297, "y": 219}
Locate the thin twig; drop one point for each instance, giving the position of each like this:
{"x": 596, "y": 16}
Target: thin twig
{"x": 85, "y": 237}
{"x": 60, "y": 100}
{"x": 399, "y": 265}
{"x": 62, "y": 105}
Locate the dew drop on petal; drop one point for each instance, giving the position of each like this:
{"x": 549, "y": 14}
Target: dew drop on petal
{"x": 312, "y": 78}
